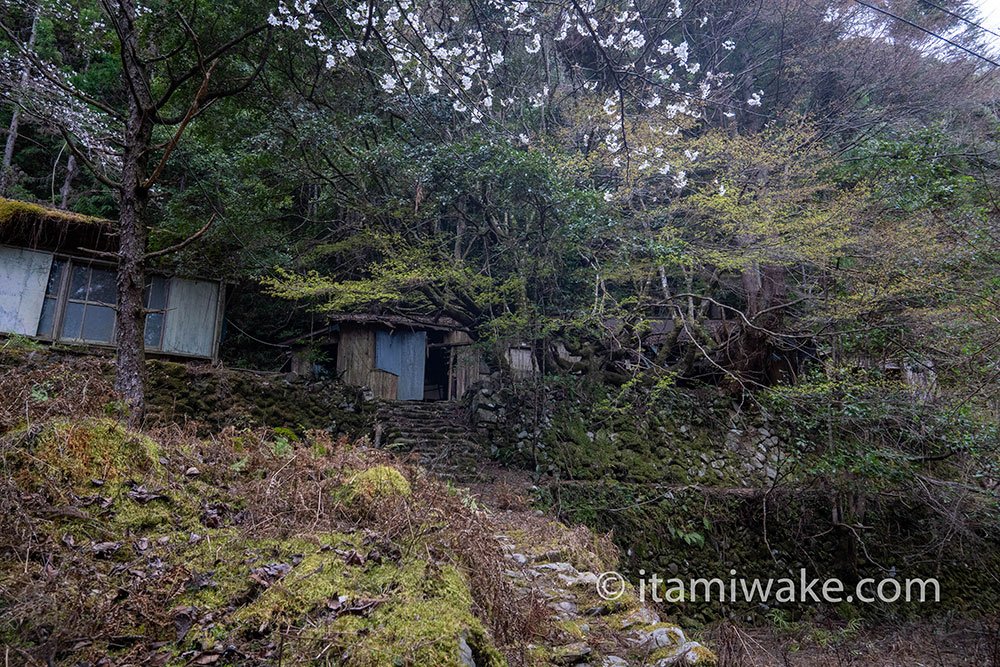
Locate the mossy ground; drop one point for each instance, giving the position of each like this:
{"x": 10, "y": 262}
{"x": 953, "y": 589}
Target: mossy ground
{"x": 229, "y": 550}
{"x": 376, "y": 483}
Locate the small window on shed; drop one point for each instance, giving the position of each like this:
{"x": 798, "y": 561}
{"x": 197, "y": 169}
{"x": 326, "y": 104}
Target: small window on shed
{"x": 90, "y": 305}
{"x": 51, "y": 303}
{"x": 156, "y": 307}
{"x": 80, "y": 303}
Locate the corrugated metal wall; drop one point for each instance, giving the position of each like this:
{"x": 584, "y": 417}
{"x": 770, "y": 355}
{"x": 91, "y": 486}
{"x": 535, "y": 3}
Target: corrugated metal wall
{"x": 192, "y": 317}
{"x": 23, "y": 274}
{"x": 403, "y": 353}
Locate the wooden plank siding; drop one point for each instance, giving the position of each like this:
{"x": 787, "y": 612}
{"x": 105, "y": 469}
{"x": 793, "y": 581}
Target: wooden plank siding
{"x": 383, "y": 384}
{"x": 355, "y": 354}
{"x": 464, "y": 369}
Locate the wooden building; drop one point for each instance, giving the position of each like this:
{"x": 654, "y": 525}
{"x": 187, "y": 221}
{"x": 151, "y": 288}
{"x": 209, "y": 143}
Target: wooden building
{"x": 397, "y": 357}
{"x": 57, "y": 285}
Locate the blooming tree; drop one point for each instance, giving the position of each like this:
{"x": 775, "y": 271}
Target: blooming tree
{"x": 628, "y": 64}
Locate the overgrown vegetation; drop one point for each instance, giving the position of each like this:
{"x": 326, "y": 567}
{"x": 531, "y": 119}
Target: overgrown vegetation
{"x": 749, "y": 251}
{"x": 171, "y": 549}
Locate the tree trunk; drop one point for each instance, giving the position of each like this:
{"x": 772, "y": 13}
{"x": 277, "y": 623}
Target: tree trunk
{"x": 15, "y": 118}
{"x": 130, "y": 375}
{"x": 67, "y": 186}
{"x": 765, "y": 287}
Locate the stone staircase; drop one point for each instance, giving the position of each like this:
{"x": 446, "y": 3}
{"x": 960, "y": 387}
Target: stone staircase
{"x": 438, "y": 432}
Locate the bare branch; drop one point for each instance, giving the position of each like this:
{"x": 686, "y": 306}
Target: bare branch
{"x": 180, "y": 130}
{"x": 87, "y": 163}
{"x": 183, "y": 244}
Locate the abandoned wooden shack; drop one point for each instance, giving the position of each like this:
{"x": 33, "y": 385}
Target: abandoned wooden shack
{"x": 57, "y": 285}
{"x": 406, "y": 358}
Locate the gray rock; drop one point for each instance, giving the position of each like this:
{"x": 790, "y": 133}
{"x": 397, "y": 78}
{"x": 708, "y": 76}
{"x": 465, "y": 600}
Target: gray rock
{"x": 682, "y": 656}
{"x": 657, "y": 638}
{"x": 465, "y": 653}
{"x": 641, "y": 616}
{"x": 565, "y": 609}
{"x": 571, "y": 654}
{"x": 487, "y": 416}
{"x": 613, "y": 661}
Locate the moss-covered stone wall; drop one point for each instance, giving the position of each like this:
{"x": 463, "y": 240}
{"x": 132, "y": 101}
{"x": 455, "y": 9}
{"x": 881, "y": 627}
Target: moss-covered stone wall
{"x": 695, "y": 532}
{"x": 38, "y": 382}
{"x": 218, "y": 398}
{"x": 690, "y": 483}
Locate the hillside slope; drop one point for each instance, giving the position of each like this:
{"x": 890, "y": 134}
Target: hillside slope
{"x": 254, "y": 547}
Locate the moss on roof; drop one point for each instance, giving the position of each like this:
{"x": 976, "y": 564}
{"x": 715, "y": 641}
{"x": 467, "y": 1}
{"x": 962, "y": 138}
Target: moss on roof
{"x": 16, "y": 211}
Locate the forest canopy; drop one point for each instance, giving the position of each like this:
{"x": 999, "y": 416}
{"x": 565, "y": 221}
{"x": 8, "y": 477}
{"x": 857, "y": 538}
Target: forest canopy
{"x": 819, "y": 176}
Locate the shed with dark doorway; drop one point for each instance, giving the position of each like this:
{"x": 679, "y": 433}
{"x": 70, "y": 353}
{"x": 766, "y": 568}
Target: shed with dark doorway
{"x": 405, "y": 358}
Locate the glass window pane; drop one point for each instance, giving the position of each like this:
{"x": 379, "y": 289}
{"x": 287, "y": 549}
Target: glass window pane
{"x": 102, "y": 286}
{"x": 55, "y": 277}
{"x": 99, "y": 324}
{"x": 48, "y": 315}
{"x": 72, "y": 320}
{"x": 154, "y": 329}
{"x": 78, "y": 282}
{"x": 156, "y": 293}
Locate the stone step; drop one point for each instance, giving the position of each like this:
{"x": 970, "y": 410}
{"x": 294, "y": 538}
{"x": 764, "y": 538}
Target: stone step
{"x": 437, "y": 432}
{"x": 424, "y": 429}
{"x": 426, "y": 443}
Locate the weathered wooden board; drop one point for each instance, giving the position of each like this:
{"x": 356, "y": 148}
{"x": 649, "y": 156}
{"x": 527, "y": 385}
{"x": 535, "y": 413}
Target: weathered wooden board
{"x": 522, "y": 361}
{"x": 465, "y": 362}
{"x": 355, "y": 354}
{"x": 403, "y": 353}
{"x": 191, "y": 321}
{"x": 23, "y": 275}
{"x": 383, "y": 384}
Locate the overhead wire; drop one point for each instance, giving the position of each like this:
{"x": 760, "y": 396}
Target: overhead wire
{"x": 929, "y": 32}
{"x": 959, "y": 17}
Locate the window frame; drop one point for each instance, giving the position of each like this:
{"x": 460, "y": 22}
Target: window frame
{"x": 153, "y": 311}
{"x": 85, "y": 302}
{"x": 62, "y": 300}
{"x": 57, "y": 299}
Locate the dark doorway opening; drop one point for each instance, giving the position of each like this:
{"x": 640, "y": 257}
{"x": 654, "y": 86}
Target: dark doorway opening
{"x": 325, "y": 361}
{"x": 436, "y": 368}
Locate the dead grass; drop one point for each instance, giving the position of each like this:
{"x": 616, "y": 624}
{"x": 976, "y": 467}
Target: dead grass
{"x": 36, "y": 386}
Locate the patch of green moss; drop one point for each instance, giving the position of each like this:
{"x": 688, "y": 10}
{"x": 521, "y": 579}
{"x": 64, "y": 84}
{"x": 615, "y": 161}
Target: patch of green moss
{"x": 381, "y": 613}
{"x": 80, "y": 451}
{"x": 140, "y": 518}
{"x": 320, "y": 576}
{"x": 699, "y": 655}
{"x": 376, "y": 483}
{"x": 13, "y": 210}
{"x": 426, "y": 615}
